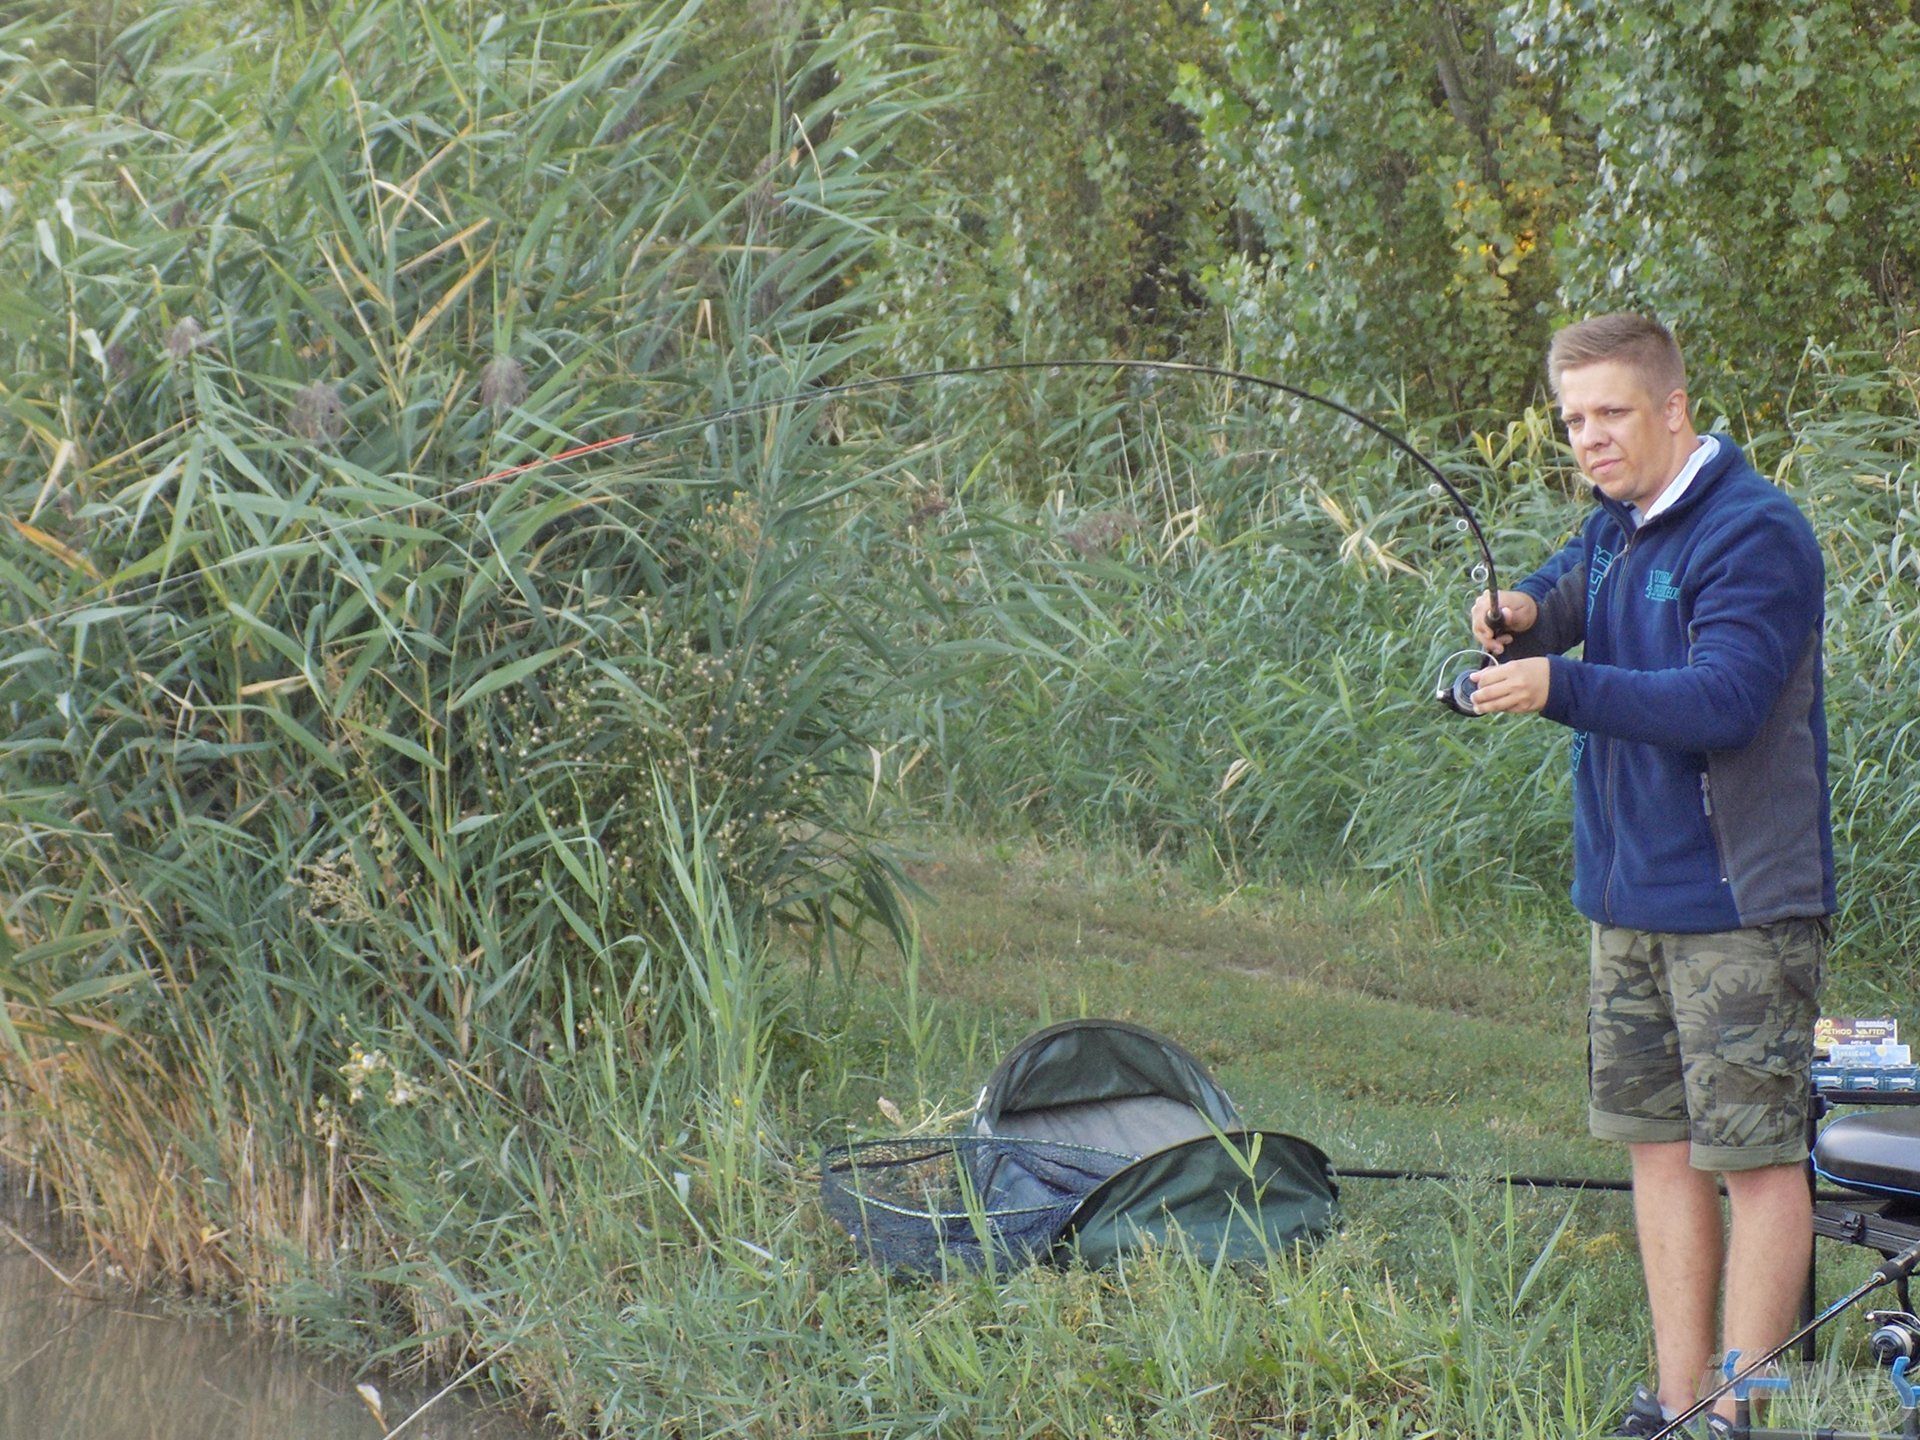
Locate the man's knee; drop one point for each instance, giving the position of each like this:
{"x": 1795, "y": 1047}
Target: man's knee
{"x": 1769, "y": 1183}
{"x": 1660, "y": 1158}
{"x": 1771, "y": 1205}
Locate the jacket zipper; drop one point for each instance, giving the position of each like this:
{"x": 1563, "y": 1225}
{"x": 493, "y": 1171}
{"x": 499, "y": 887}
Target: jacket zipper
{"x": 1706, "y": 791}
{"x": 1617, "y": 612}
{"x": 1713, "y": 830}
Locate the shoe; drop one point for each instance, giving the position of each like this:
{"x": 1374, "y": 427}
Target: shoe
{"x": 1644, "y": 1417}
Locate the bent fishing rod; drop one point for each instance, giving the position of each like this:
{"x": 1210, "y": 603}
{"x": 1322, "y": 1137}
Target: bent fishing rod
{"x": 1439, "y": 485}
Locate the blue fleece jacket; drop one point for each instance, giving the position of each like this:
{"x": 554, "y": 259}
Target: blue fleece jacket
{"x": 1700, "y": 745}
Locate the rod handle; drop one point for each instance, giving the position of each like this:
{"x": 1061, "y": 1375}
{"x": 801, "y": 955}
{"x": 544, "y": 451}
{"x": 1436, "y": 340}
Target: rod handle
{"x": 1899, "y": 1267}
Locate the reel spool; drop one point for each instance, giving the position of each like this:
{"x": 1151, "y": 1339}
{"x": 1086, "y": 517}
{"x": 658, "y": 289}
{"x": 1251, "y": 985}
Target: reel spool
{"x": 1454, "y": 688}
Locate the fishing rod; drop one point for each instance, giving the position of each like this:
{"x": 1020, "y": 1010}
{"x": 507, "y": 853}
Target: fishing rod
{"x": 1534, "y": 1182}
{"x": 1468, "y": 522}
{"x": 1448, "y": 692}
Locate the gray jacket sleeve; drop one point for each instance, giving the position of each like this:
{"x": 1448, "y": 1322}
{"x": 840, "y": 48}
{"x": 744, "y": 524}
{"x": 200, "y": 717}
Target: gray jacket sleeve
{"x": 1563, "y": 619}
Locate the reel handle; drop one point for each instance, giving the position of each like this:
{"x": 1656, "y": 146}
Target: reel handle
{"x": 1457, "y": 695}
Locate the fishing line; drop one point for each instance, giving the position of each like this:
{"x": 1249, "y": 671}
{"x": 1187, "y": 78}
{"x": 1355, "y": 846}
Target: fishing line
{"x": 1439, "y": 486}
{"x": 1518, "y": 1182}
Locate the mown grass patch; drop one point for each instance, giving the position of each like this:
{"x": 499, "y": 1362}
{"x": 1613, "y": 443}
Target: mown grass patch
{"x": 1364, "y": 1023}
{"x": 1005, "y": 899}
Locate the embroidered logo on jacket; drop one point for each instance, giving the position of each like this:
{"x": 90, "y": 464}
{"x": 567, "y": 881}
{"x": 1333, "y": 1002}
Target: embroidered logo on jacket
{"x": 1660, "y": 586}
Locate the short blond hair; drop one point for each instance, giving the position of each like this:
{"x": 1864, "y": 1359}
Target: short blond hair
{"x": 1637, "y": 341}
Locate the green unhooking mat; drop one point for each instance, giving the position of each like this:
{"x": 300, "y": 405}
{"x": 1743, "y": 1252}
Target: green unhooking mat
{"x": 1091, "y": 1138}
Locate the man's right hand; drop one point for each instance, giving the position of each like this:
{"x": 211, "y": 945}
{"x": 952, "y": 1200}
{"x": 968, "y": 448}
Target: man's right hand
{"x": 1518, "y": 612}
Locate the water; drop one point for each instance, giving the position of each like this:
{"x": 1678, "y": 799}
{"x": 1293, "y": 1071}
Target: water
{"x": 124, "y": 1370}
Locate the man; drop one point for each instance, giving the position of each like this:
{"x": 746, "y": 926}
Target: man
{"x": 1702, "y": 849}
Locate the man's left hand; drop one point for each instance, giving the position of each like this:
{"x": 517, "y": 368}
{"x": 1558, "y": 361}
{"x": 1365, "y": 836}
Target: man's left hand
{"x": 1518, "y": 687}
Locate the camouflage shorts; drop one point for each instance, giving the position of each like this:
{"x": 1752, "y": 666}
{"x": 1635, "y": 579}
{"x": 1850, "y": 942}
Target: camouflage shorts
{"x": 1705, "y": 1038}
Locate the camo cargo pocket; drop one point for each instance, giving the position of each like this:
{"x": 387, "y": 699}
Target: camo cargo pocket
{"x": 1744, "y": 1004}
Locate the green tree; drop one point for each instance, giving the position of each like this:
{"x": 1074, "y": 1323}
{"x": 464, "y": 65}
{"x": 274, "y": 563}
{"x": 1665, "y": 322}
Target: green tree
{"x": 1756, "y": 169}
{"x": 1403, "y": 172}
{"x": 1077, "y": 214}
{"x": 1436, "y": 187}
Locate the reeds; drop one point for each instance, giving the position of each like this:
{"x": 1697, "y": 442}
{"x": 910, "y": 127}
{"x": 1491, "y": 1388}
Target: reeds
{"x": 331, "y": 776}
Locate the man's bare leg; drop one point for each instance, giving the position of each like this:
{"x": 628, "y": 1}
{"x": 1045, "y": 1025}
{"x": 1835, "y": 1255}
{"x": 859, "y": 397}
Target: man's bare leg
{"x": 1766, "y": 1259}
{"x": 1676, "y": 1210}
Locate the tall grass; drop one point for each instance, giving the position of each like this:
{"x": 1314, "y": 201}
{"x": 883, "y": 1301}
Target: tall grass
{"x": 1224, "y": 620}
{"x": 330, "y": 772}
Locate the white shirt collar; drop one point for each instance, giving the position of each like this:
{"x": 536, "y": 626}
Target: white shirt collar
{"x": 1696, "y": 462}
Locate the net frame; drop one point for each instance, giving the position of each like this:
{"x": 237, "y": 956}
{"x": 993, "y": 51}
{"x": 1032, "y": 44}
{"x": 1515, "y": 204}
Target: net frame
{"x": 911, "y": 1203}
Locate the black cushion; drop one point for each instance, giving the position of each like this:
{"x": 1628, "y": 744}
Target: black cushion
{"x": 1875, "y": 1150}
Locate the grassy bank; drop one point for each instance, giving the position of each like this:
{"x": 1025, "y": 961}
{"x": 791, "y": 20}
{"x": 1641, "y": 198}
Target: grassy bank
{"x": 638, "y": 1280}
{"x": 1456, "y": 1310}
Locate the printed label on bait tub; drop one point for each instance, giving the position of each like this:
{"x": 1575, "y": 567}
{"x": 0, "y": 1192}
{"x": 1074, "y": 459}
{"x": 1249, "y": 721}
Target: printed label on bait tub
{"x": 1832, "y": 1030}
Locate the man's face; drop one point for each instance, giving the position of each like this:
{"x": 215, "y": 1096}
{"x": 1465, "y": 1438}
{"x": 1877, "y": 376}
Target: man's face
{"x": 1626, "y": 439}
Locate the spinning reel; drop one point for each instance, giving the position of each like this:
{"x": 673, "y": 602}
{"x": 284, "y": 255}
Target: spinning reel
{"x": 1896, "y": 1336}
{"x": 1454, "y": 688}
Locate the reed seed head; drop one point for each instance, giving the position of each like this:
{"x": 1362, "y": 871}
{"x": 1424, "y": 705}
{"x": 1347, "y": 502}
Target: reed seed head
{"x": 503, "y": 383}
{"x": 767, "y": 298}
{"x": 186, "y": 336}
{"x": 318, "y": 413}
{"x": 634, "y": 120}
{"x": 1097, "y": 534}
{"x": 774, "y": 19}
{"x": 765, "y": 202}
{"x": 927, "y": 504}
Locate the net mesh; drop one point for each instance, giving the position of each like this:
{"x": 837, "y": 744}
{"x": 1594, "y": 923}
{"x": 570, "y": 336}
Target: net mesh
{"x": 927, "y": 1204}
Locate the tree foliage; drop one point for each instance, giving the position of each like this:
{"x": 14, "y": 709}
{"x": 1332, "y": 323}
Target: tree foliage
{"x": 1756, "y": 170}
{"x": 1077, "y": 214}
{"x": 1403, "y": 171}
{"x": 1437, "y": 187}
